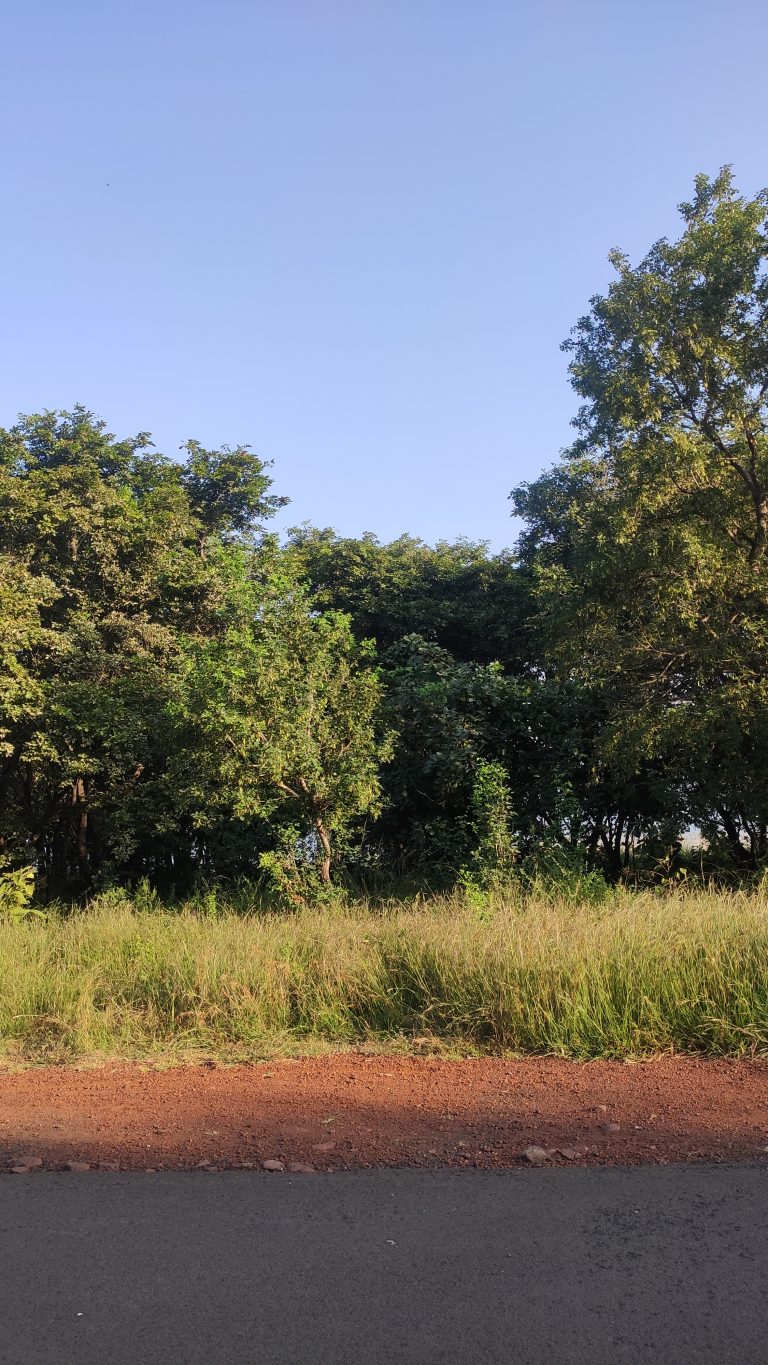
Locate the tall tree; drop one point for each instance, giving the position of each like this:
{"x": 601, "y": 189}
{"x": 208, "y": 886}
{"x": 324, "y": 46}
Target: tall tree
{"x": 281, "y": 715}
{"x": 648, "y": 542}
{"x": 113, "y": 555}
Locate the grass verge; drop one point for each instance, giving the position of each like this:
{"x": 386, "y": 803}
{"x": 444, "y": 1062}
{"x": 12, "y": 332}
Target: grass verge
{"x": 636, "y": 975}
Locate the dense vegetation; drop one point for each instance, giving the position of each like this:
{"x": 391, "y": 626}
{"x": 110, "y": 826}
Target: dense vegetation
{"x": 183, "y": 699}
{"x": 639, "y": 973}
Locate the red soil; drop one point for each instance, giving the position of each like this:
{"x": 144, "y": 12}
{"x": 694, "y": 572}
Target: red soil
{"x": 351, "y": 1110}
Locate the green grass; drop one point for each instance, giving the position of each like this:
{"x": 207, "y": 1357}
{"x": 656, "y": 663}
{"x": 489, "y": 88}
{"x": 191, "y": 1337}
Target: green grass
{"x": 636, "y": 975}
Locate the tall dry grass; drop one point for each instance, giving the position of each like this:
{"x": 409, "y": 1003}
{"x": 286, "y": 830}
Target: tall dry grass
{"x": 638, "y": 974}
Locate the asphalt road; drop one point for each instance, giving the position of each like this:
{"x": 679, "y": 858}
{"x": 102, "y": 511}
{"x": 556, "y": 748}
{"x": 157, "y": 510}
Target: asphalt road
{"x": 662, "y": 1264}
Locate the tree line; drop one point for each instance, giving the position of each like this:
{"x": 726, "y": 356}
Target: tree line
{"x": 185, "y": 696}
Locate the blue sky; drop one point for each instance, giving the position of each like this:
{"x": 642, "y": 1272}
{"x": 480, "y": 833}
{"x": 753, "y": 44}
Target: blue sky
{"x": 351, "y": 233}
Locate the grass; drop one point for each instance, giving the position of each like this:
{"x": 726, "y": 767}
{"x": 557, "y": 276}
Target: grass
{"x": 639, "y": 974}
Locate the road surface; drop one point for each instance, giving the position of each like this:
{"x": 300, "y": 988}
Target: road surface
{"x": 539, "y": 1267}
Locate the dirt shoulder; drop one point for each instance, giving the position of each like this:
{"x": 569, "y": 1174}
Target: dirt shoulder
{"x": 350, "y": 1111}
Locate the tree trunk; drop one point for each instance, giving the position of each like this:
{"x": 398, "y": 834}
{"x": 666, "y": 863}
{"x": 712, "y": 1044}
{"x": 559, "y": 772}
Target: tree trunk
{"x": 78, "y": 799}
{"x": 760, "y": 538}
{"x": 325, "y": 844}
{"x": 732, "y": 834}
{"x": 612, "y": 842}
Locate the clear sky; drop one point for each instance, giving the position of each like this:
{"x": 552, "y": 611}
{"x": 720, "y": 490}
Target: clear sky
{"x": 351, "y": 233}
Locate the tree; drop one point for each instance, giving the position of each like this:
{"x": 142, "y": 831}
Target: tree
{"x": 112, "y": 557}
{"x": 647, "y": 545}
{"x": 228, "y": 489}
{"x": 458, "y": 595}
{"x": 673, "y": 366}
{"x": 451, "y": 720}
{"x": 283, "y": 704}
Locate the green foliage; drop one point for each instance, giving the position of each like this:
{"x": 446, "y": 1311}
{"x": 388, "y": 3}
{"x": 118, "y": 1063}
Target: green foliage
{"x": 280, "y": 714}
{"x": 495, "y": 851}
{"x": 227, "y": 489}
{"x": 170, "y": 698}
{"x": 559, "y": 873}
{"x": 17, "y": 891}
{"x": 647, "y": 545}
{"x": 471, "y": 603}
{"x": 186, "y": 703}
{"x": 491, "y": 818}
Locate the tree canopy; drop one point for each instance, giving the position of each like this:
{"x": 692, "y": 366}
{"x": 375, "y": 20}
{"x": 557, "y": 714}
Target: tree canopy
{"x": 647, "y": 542}
{"x": 184, "y": 696}
{"x": 163, "y": 675}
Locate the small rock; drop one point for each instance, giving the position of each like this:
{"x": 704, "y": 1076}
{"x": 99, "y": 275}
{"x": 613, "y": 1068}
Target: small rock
{"x": 569, "y": 1153}
{"x": 20, "y": 1170}
{"x": 77, "y": 1166}
{"x": 603, "y": 1108}
{"x": 272, "y": 1165}
{"x": 108, "y": 1166}
{"x": 611, "y": 1127}
{"x": 536, "y": 1156}
{"x": 300, "y": 1168}
{"x": 244, "y": 1166}
{"x": 150, "y": 1170}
